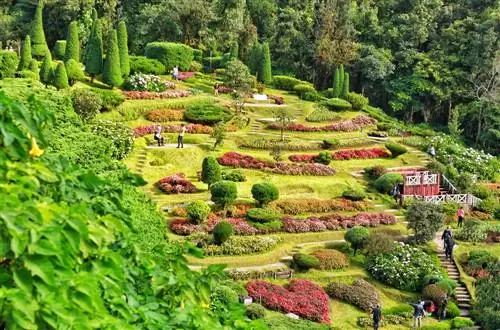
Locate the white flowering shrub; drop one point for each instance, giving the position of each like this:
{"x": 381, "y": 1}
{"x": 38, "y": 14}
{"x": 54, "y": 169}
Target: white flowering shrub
{"x": 147, "y": 83}
{"x": 121, "y": 137}
{"x": 403, "y": 268}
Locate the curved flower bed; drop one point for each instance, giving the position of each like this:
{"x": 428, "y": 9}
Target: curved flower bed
{"x": 343, "y": 126}
{"x": 176, "y": 184}
{"x": 234, "y": 159}
{"x": 297, "y": 206}
{"x": 300, "y": 297}
{"x": 136, "y": 95}
{"x": 185, "y": 75}
{"x": 162, "y": 115}
{"x": 172, "y": 128}
{"x": 344, "y": 155}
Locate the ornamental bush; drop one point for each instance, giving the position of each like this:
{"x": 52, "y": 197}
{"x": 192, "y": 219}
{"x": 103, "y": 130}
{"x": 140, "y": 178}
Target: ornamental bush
{"x": 331, "y": 259}
{"x": 488, "y": 205}
{"x": 222, "y": 231}
{"x": 324, "y": 158}
{"x": 358, "y": 101}
{"x": 223, "y": 193}
{"x": 74, "y": 71}
{"x": 210, "y": 171}
{"x": 263, "y": 215}
{"x": 301, "y": 89}
{"x": 461, "y": 322}
{"x": 234, "y": 175}
{"x": 46, "y": 71}
{"x": 24, "y": 61}
{"x": 122, "y": 36}
{"x": 111, "y": 99}
{"x": 452, "y": 310}
{"x": 283, "y": 322}
{"x": 265, "y": 192}
{"x": 59, "y": 49}
{"x": 473, "y": 230}
{"x": 34, "y": 68}
{"x": 255, "y": 311}
{"x": 305, "y": 261}
{"x": 147, "y": 83}
{"x": 386, "y": 182}
{"x": 330, "y": 143}
{"x": 235, "y": 245}
{"x": 361, "y": 294}
{"x": 337, "y": 104}
{"x": 111, "y": 73}
{"x": 207, "y": 114}
{"x": 86, "y": 103}
{"x": 358, "y": 237}
{"x": 170, "y": 54}
{"x": 198, "y": 211}
{"x": 39, "y": 48}
{"x": 142, "y": 64}
{"x": 425, "y": 219}
{"x": 379, "y": 243}
{"x": 286, "y": 83}
{"x": 395, "y": 149}
{"x": 60, "y": 77}
{"x": 354, "y": 194}
{"x": 120, "y": 135}
{"x": 72, "y": 50}
{"x": 313, "y": 96}
{"x": 8, "y": 64}
{"x": 375, "y": 172}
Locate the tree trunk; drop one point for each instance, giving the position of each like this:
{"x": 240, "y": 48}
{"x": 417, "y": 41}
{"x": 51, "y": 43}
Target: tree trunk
{"x": 479, "y": 126}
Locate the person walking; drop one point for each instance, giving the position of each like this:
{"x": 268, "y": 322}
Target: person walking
{"x": 446, "y": 236}
{"x": 442, "y": 308}
{"x": 450, "y": 244}
{"x": 175, "y": 73}
{"x": 216, "y": 89}
{"x": 418, "y": 314}
{"x": 432, "y": 151}
{"x": 377, "y": 317}
{"x": 180, "y": 137}
{"x": 460, "y": 215}
{"x": 158, "y": 136}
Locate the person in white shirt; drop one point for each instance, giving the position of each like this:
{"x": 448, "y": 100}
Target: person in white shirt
{"x": 180, "y": 138}
{"x": 176, "y": 72}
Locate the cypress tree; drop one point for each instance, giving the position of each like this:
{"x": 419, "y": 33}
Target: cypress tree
{"x": 59, "y": 50}
{"x": 73, "y": 71}
{"x": 336, "y": 83}
{"x": 123, "y": 47}
{"x": 47, "y": 72}
{"x": 234, "y": 50}
{"x": 265, "y": 71}
{"x": 341, "y": 80}
{"x": 60, "y": 77}
{"x": 93, "y": 52}
{"x": 72, "y": 43}
{"x": 25, "y": 60}
{"x": 34, "y": 68}
{"x": 111, "y": 72}
{"x": 345, "y": 87}
{"x": 254, "y": 58}
{"x": 38, "y": 43}
{"x": 210, "y": 171}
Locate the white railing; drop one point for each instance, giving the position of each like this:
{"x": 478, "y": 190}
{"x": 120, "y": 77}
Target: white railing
{"x": 466, "y": 199}
{"x": 421, "y": 178}
{"x": 447, "y": 183}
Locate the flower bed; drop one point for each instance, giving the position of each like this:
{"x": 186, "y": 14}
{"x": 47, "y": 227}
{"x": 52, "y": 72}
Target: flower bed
{"x": 297, "y": 206}
{"x": 176, "y": 184}
{"x": 343, "y": 126}
{"x": 277, "y": 99}
{"x": 336, "y": 222}
{"x": 147, "y": 83}
{"x": 185, "y": 75}
{"x": 234, "y": 159}
{"x": 162, "y": 115}
{"x": 331, "y": 259}
{"x": 361, "y": 294}
{"x": 264, "y": 144}
{"x": 240, "y": 226}
{"x": 344, "y": 155}
{"x": 235, "y": 245}
{"x": 136, "y": 95}
{"x": 172, "y": 128}
{"x": 300, "y": 297}
{"x": 224, "y": 90}
{"x": 184, "y": 227}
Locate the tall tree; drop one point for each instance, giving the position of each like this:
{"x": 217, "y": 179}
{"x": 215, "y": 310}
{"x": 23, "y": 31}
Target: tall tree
{"x": 39, "y": 46}
{"x": 123, "y": 47}
{"x": 25, "y": 60}
{"x": 111, "y": 72}
{"x": 336, "y": 83}
{"x": 341, "y": 78}
{"x": 72, "y": 43}
{"x": 254, "y": 58}
{"x": 265, "y": 74}
{"x": 345, "y": 86}
{"x": 93, "y": 51}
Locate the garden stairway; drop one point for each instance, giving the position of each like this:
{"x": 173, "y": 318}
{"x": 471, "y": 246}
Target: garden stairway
{"x": 462, "y": 294}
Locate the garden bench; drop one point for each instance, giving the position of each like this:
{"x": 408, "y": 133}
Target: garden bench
{"x": 260, "y": 97}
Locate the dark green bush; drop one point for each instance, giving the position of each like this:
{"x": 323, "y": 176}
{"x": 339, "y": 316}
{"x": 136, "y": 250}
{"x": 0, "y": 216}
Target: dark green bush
{"x": 330, "y": 143}
{"x": 142, "y": 64}
{"x": 431, "y": 279}
{"x": 313, "y": 96}
{"x": 286, "y": 83}
{"x": 481, "y": 192}
{"x": 301, "y": 89}
{"x": 223, "y": 193}
{"x": 358, "y": 101}
{"x": 324, "y": 158}
{"x": 474, "y": 230}
{"x": 74, "y": 71}
{"x": 222, "y": 231}
{"x": 448, "y": 285}
{"x": 120, "y": 135}
{"x": 207, "y": 114}
{"x": 386, "y": 182}
{"x": 305, "y": 261}
{"x": 337, "y": 104}
{"x": 222, "y": 299}
{"x": 354, "y": 194}
{"x": 198, "y": 211}
{"x": 265, "y": 192}
{"x": 210, "y": 171}
{"x": 375, "y": 172}
{"x": 25, "y": 74}
{"x": 255, "y": 311}
{"x": 8, "y": 64}
{"x": 395, "y": 149}
{"x": 234, "y": 175}
{"x": 86, "y": 103}
{"x": 263, "y": 215}
{"x": 111, "y": 99}
{"x": 268, "y": 227}
{"x": 479, "y": 259}
{"x": 461, "y": 322}
{"x": 358, "y": 237}
{"x": 379, "y": 243}
{"x": 170, "y": 54}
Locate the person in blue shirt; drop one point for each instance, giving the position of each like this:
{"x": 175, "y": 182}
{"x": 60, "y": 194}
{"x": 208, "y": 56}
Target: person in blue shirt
{"x": 418, "y": 314}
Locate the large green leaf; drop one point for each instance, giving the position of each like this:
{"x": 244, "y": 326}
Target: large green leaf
{"x": 23, "y": 280}
{"x": 40, "y": 266}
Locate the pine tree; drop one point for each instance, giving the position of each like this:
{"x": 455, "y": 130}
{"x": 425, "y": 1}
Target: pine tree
{"x": 72, "y": 43}
{"x": 265, "y": 71}
{"x": 60, "y": 77}
{"x": 33, "y": 67}
{"x": 336, "y": 83}
{"x": 111, "y": 72}
{"x": 93, "y": 52}
{"x": 345, "y": 86}
{"x": 234, "y": 50}
{"x": 47, "y": 72}
{"x": 123, "y": 47}
{"x": 341, "y": 78}
{"x": 39, "y": 46}
{"x": 25, "y": 60}
{"x": 254, "y": 58}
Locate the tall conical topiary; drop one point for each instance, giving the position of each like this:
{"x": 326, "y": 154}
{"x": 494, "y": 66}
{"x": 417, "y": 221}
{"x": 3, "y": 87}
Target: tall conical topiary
{"x": 25, "y": 60}
{"x": 72, "y": 43}
{"x": 254, "y": 58}
{"x": 60, "y": 77}
{"x": 336, "y": 83}
{"x": 123, "y": 47}
{"x": 33, "y": 67}
{"x": 341, "y": 76}
{"x": 345, "y": 87}
{"x": 265, "y": 71}
{"x": 234, "y": 50}
{"x": 38, "y": 43}
{"x": 47, "y": 72}
{"x": 112, "y": 74}
{"x": 93, "y": 52}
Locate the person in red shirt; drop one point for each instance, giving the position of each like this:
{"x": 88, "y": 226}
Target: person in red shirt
{"x": 460, "y": 215}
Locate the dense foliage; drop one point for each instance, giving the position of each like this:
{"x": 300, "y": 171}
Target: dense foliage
{"x": 424, "y": 219}
{"x": 265, "y": 192}
{"x": 360, "y": 293}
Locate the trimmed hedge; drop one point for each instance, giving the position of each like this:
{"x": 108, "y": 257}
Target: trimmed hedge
{"x": 142, "y": 64}
{"x": 263, "y": 215}
{"x": 234, "y": 175}
{"x": 395, "y": 149}
{"x": 8, "y": 64}
{"x": 59, "y": 49}
{"x": 170, "y": 54}
{"x": 305, "y": 261}
{"x": 361, "y": 294}
{"x": 207, "y": 114}
{"x": 358, "y": 101}
{"x": 331, "y": 259}
{"x": 301, "y": 89}
{"x": 354, "y": 194}
{"x": 286, "y": 83}
{"x": 223, "y": 193}
{"x": 338, "y": 104}
{"x": 386, "y": 182}
{"x": 222, "y": 231}
{"x": 265, "y": 192}
{"x": 255, "y": 311}
{"x": 198, "y": 211}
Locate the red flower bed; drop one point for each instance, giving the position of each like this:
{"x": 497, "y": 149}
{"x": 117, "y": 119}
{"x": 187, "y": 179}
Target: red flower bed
{"x": 240, "y": 226}
{"x": 343, "y": 126}
{"x": 235, "y": 159}
{"x": 344, "y": 155}
{"x": 224, "y": 90}
{"x": 277, "y": 99}
{"x": 172, "y": 128}
{"x": 185, "y": 75}
{"x": 183, "y": 227}
{"x": 136, "y": 95}
{"x": 300, "y": 297}
{"x": 297, "y": 206}
{"x": 336, "y": 222}
{"x": 176, "y": 184}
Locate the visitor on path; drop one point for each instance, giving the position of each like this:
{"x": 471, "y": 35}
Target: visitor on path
{"x": 460, "y": 215}
{"x": 449, "y": 245}
{"x": 158, "y": 136}
{"x": 377, "y": 317}
{"x": 446, "y": 236}
{"x": 418, "y": 314}
{"x": 432, "y": 151}
{"x": 216, "y": 89}
{"x": 395, "y": 192}
{"x": 175, "y": 73}
{"x": 442, "y": 308}
{"x": 429, "y": 307}
{"x": 180, "y": 138}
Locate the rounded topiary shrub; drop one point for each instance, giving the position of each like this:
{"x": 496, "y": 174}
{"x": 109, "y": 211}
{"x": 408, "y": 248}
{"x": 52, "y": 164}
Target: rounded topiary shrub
{"x": 263, "y": 215}
{"x": 210, "y": 171}
{"x": 358, "y": 101}
{"x": 331, "y": 259}
{"x": 386, "y": 182}
{"x": 198, "y": 211}
{"x": 206, "y": 114}
{"x": 338, "y": 104}
{"x": 305, "y": 261}
{"x": 354, "y": 194}
{"x": 301, "y": 89}
{"x": 358, "y": 237}
{"x": 234, "y": 175}
{"x": 265, "y": 192}
{"x": 375, "y": 172}
{"x": 255, "y": 311}
{"x": 324, "y": 158}
{"x": 223, "y": 193}
{"x": 141, "y": 64}
{"x": 86, "y": 103}
{"x": 395, "y": 149}
{"x": 223, "y": 296}
{"x": 222, "y": 231}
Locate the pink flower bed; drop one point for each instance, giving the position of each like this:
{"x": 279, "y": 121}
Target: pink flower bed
{"x": 234, "y": 159}
{"x": 343, "y": 126}
{"x": 300, "y": 297}
{"x": 136, "y": 95}
{"x": 240, "y": 226}
{"x": 225, "y": 89}
{"x": 344, "y": 155}
{"x": 172, "y": 128}
{"x": 183, "y": 227}
{"x": 336, "y": 222}
{"x": 277, "y": 99}
{"x": 185, "y": 75}
{"x": 176, "y": 184}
